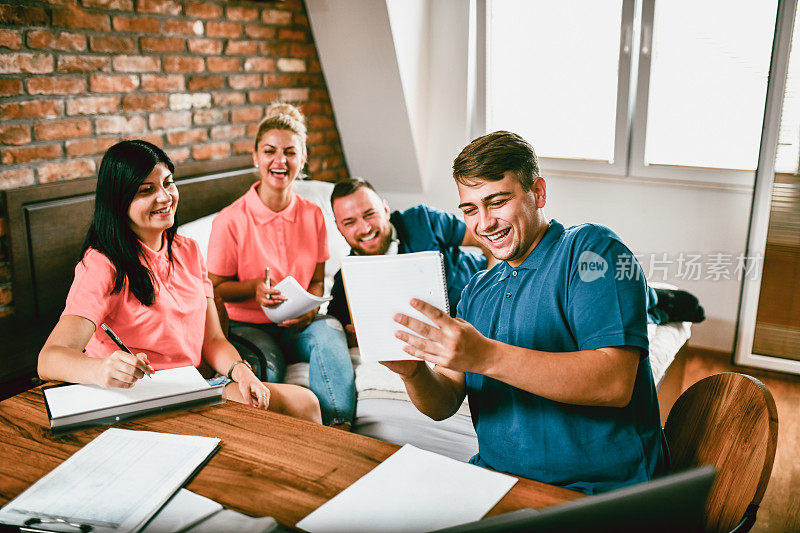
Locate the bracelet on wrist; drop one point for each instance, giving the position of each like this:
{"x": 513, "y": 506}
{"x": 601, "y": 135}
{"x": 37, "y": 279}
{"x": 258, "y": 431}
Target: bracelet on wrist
{"x": 230, "y": 370}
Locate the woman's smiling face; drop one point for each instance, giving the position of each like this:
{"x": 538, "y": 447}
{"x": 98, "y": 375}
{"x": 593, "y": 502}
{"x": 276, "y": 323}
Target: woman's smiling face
{"x": 280, "y": 157}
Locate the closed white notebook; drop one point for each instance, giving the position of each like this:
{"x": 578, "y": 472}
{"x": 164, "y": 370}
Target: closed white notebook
{"x": 73, "y": 404}
{"x": 378, "y": 287}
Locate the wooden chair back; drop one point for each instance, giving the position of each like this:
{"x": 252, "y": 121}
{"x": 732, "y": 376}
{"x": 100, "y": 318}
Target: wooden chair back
{"x": 729, "y": 421}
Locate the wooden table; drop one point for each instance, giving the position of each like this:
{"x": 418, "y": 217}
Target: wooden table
{"x": 268, "y": 464}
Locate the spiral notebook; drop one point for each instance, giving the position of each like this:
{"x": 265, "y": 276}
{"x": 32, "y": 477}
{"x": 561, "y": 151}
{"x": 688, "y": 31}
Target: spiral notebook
{"x": 379, "y": 286}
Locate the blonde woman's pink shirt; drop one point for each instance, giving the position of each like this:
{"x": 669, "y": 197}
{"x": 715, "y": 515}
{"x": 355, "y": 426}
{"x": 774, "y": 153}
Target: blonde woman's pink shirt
{"x": 247, "y": 237}
{"x": 171, "y": 330}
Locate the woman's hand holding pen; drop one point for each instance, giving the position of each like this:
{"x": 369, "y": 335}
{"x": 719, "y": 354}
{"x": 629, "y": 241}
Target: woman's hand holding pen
{"x": 250, "y": 387}
{"x": 121, "y": 370}
{"x": 267, "y": 296}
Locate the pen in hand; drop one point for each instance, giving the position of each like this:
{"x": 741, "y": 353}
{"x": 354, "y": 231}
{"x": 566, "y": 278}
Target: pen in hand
{"x": 266, "y": 274}
{"x": 119, "y": 343}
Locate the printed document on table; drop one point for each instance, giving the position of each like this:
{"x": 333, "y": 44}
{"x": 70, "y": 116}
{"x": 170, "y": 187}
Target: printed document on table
{"x": 412, "y": 490}
{"x": 298, "y": 301}
{"x": 117, "y": 482}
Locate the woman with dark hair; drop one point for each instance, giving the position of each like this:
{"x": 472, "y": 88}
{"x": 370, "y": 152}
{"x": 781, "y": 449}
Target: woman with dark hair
{"x": 151, "y": 287}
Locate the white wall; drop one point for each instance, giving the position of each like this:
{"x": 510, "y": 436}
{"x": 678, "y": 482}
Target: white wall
{"x": 651, "y": 217}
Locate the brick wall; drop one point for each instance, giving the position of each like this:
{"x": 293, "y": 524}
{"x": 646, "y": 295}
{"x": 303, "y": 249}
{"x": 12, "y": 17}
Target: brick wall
{"x": 193, "y": 77}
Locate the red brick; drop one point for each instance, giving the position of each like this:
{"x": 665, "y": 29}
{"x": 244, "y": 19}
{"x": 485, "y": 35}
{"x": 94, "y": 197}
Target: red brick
{"x": 152, "y": 138}
{"x": 224, "y": 64}
{"x": 232, "y": 98}
{"x": 245, "y": 48}
{"x": 16, "y": 134}
{"x": 231, "y": 30}
{"x": 308, "y": 51}
{"x": 319, "y": 94}
{"x": 279, "y": 80}
{"x": 243, "y": 147}
{"x": 204, "y": 83}
{"x": 23, "y": 16}
{"x": 111, "y": 43}
{"x": 205, "y": 117}
{"x": 183, "y": 27}
{"x": 244, "y": 81}
{"x": 118, "y": 124}
{"x": 73, "y": 17}
{"x": 162, "y": 7}
{"x": 285, "y": 34}
{"x": 162, "y": 44}
{"x": 65, "y": 41}
{"x": 274, "y": 49}
{"x": 259, "y": 64}
{"x": 322, "y": 149}
{"x": 318, "y": 123}
{"x": 241, "y": 13}
{"x": 10, "y": 39}
{"x": 301, "y": 20}
{"x": 10, "y": 87}
{"x": 18, "y": 177}
{"x": 252, "y": 130}
{"x": 187, "y": 136}
{"x": 26, "y": 154}
{"x": 332, "y": 136}
{"x": 37, "y": 109}
{"x": 137, "y": 24}
{"x": 83, "y": 63}
{"x": 84, "y": 147}
{"x": 163, "y": 82}
{"x": 68, "y": 170}
{"x": 143, "y": 102}
{"x": 203, "y": 10}
{"x": 103, "y": 83}
{"x": 205, "y": 46}
{"x": 55, "y": 85}
{"x": 170, "y": 119}
{"x": 116, "y": 5}
{"x": 183, "y": 64}
{"x": 93, "y": 105}
{"x": 247, "y": 114}
{"x": 314, "y": 165}
{"x": 257, "y": 31}
{"x": 294, "y": 95}
{"x": 227, "y": 131}
{"x": 328, "y": 175}
{"x": 62, "y": 129}
{"x": 136, "y": 64}
{"x": 262, "y": 97}
{"x": 178, "y": 155}
{"x": 315, "y": 137}
{"x": 27, "y": 63}
{"x": 274, "y": 16}
{"x": 211, "y": 151}
{"x": 314, "y": 66}
{"x": 291, "y": 65}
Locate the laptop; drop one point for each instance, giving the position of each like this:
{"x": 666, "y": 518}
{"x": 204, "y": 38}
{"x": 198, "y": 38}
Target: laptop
{"x": 671, "y": 503}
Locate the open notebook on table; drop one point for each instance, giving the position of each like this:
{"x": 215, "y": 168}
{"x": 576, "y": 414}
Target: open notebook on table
{"x": 73, "y": 406}
{"x": 117, "y": 482}
{"x": 379, "y": 286}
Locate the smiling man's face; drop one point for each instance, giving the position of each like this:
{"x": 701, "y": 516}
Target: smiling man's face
{"x": 363, "y": 220}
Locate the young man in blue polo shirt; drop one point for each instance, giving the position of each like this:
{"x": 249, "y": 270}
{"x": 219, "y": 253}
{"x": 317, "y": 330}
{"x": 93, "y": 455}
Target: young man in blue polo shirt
{"x": 550, "y": 344}
{"x": 364, "y": 220}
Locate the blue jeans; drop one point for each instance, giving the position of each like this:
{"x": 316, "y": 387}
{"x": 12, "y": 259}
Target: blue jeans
{"x": 322, "y": 344}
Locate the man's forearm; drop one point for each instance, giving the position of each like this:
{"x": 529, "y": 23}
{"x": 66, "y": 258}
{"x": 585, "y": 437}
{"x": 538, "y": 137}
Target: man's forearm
{"x": 434, "y": 394}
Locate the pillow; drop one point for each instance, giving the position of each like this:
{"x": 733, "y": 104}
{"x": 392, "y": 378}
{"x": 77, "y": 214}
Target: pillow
{"x": 318, "y": 192}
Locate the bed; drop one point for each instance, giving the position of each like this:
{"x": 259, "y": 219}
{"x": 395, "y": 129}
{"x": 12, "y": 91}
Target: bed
{"x": 48, "y": 222}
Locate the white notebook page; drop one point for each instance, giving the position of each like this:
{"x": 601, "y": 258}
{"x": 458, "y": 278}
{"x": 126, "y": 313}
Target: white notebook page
{"x": 378, "y": 287}
{"x": 72, "y": 399}
{"x": 117, "y": 481}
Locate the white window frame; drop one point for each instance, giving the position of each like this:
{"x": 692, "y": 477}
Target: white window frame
{"x": 762, "y": 197}
{"x": 632, "y": 103}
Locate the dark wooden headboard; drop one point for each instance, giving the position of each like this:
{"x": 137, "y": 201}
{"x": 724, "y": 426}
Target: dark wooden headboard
{"x": 48, "y": 223}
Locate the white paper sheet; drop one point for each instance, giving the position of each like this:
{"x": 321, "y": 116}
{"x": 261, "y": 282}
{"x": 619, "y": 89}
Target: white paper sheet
{"x": 71, "y": 399}
{"x": 412, "y": 490}
{"x": 298, "y": 301}
{"x": 227, "y": 520}
{"x": 183, "y": 510}
{"x": 116, "y": 482}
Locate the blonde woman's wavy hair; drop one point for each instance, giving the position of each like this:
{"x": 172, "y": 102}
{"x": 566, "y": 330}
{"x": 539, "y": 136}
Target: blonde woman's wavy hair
{"x": 283, "y": 116}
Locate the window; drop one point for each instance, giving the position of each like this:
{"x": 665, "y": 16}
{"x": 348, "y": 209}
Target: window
{"x": 646, "y": 88}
